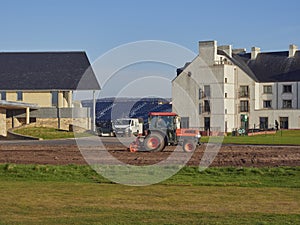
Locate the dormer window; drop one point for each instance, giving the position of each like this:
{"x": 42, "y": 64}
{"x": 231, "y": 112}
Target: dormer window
{"x": 267, "y": 89}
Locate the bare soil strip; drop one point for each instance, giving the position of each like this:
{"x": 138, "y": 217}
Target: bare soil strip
{"x": 229, "y": 155}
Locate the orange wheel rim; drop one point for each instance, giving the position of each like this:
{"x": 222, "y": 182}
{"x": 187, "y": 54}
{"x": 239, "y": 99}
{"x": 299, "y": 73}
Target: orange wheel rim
{"x": 189, "y": 147}
{"x": 153, "y": 142}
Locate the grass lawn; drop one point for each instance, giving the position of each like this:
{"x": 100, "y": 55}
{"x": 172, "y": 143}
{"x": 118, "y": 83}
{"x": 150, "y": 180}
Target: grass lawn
{"x": 282, "y": 137}
{"x": 47, "y": 133}
{"x": 32, "y": 194}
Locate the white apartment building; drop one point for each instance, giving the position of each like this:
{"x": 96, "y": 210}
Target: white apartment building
{"x": 224, "y": 89}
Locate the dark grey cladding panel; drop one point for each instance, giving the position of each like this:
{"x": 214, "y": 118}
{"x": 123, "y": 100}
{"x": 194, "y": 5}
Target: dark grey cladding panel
{"x": 44, "y": 113}
{"x": 52, "y": 113}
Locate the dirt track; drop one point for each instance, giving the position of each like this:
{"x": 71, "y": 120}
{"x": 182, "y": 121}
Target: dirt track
{"x": 235, "y": 155}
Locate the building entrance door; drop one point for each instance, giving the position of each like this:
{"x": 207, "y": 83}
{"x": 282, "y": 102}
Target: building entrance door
{"x": 244, "y": 121}
{"x": 284, "y": 122}
{"x": 263, "y": 123}
{"x": 207, "y": 124}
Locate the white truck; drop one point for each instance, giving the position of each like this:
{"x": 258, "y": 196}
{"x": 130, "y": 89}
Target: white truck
{"x": 128, "y": 126}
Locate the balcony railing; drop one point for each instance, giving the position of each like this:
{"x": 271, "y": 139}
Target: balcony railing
{"x": 202, "y": 95}
{"x": 222, "y": 62}
{"x": 244, "y": 94}
{"x": 204, "y": 109}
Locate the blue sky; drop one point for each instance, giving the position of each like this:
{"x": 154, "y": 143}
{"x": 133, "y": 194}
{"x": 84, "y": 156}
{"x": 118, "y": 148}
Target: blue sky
{"x": 97, "y": 26}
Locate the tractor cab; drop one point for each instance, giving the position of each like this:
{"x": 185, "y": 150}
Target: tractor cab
{"x": 163, "y": 120}
{"x": 165, "y": 123}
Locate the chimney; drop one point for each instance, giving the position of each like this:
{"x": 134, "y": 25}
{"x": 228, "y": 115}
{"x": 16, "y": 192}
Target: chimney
{"x": 254, "y": 52}
{"x": 227, "y": 49}
{"x": 292, "y": 50}
{"x": 208, "y": 51}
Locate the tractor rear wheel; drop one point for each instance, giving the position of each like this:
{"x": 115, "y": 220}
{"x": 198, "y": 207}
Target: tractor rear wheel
{"x": 189, "y": 145}
{"x": 154, "y": 142}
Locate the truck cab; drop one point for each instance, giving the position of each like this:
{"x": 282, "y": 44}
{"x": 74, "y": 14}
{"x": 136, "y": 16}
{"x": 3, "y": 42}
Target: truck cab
{"x": 104, "y": 128}
{"x": 128, "y": 126}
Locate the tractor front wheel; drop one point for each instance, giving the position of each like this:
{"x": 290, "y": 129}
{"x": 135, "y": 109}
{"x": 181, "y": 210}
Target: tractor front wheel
{"x": 189, "y": 145}
{"x": 154, "y": 142}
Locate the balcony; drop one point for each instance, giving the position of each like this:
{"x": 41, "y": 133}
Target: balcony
{"x": 223, "y": 62}
{"x": 244, "y": 94}
{"x": 202, "y": 95}
{"x": 204, "y": 109}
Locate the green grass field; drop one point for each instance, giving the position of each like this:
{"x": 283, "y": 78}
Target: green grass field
{"x": 35, "y": 194}
{"x": 282, "y": 137}
{"x": 44, "y": 194}
{"x": 47, "y": 133}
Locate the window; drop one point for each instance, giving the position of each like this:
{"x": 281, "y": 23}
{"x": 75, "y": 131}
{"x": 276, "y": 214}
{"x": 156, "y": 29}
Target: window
{"x": 287, "y": 104}
{"x": 225, "y": 95}
{"x": 268, "y": 104}
{"x": 263, "y": 123}
{"x": 65, "y": 95}
{"x": 267, "y": 89}
{"x": 244, "y": 91}
{"x": 3, "y": 95}
{"x": 201, "y": 94}
{"x": 19, "y": 96}
{"x": 207, "y": 90}
{"x": 287, "y": 88}
{"x": 206, "y": 106}
{"x": 284, "y": 122}
{"x": 185, "y": 122}
{"x": 244, "y": 106}
{"x": 200, "y": 108}
{"x": 225, "y": 80}
{"x": 225, "y": 111}
{"x": 54, "y": 98}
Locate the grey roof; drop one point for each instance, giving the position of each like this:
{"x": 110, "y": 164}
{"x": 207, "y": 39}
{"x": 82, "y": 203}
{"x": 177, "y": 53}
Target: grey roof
{"x": 17, "y": 105}
{"x": 46, "y": 71}
{"x": 270, "y": 66}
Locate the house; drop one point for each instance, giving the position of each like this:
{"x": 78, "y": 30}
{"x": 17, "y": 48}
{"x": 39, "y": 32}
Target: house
{"x": 225, "y": 89}
{"x": 38, "y": 87}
